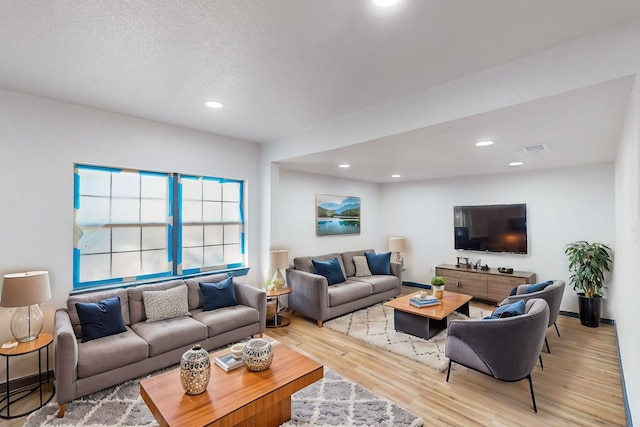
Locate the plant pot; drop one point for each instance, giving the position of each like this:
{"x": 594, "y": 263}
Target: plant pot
{"x": 589, "y": 309}
{"x": 438, "y": 291}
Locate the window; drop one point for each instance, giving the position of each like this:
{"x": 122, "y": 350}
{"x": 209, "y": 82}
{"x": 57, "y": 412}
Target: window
{"x": 134, "y": 225}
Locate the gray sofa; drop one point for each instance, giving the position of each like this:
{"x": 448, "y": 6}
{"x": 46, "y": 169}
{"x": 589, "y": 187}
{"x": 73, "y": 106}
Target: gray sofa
{"x": 82, "y": 368}
{"x": 312, "y": 296}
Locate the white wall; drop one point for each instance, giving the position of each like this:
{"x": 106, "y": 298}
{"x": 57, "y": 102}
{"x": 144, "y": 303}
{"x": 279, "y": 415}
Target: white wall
{"x": 626, "y": 292}
{"x": 40, "y": 141}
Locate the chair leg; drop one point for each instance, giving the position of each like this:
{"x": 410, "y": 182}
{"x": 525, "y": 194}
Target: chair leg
{"x": 557, "y": 331}
{"x": 541, "y": 365}
{"x": 533, "y": 397}
{"x": 449, "y": 370}
{"x": 547, "y": 343}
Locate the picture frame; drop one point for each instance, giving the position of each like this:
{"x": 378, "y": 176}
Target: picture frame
{"x": 337, "y": 215}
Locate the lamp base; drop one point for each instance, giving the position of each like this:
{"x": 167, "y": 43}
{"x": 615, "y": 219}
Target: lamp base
{"x": 396, "y": 257}
{"x": 277, "y": 280}
{"x": 26, "y": 323}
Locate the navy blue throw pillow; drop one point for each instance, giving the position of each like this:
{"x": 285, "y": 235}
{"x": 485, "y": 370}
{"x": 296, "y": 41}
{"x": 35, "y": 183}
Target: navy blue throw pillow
{"x": 538, "y": 286}
{"x": 100, "y": 319}
{"x": 218, "y": 295}
{"x": 509, "y": 310}
{"x": 379, "y": 263}
{"x": 329, "y": 269}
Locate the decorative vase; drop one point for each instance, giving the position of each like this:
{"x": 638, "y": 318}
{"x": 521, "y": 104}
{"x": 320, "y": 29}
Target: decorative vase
{"x": 257, "y": 354}
{"x": 438, "y": 291}
{"x": 195, "y": 370}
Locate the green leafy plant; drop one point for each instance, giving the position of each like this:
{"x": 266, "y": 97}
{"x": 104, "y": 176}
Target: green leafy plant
{"x": 438, "y": 281}
{"x": 587, "y": 264}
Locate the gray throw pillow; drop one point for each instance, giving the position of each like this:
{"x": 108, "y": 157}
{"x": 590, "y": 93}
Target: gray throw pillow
{"x": 167, "y": 304}
{"x": 362, "y": 266}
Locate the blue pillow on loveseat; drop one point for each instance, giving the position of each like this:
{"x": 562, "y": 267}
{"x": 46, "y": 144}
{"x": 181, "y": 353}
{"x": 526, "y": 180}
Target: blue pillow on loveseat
{"x": 331, "y": 270}
{"x": 379, "y": 263}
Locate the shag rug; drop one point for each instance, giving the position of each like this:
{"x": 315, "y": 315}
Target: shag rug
{"x": 374, "y": 325}
{"x": 332, "y": 401}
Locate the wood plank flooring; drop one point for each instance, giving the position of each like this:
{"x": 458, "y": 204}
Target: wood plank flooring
{"x": 580, "y": 383}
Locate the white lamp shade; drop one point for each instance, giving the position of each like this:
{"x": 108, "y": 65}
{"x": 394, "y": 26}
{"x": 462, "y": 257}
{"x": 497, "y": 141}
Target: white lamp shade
{"x": 23, "y": 289}
{"x": 397, "y": 244}
{"x": 279, "y": 259}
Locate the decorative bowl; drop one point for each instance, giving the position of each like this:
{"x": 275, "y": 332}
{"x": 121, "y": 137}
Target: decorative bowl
{"x": 236, "y": 350}
{"x": 257, "y": 354}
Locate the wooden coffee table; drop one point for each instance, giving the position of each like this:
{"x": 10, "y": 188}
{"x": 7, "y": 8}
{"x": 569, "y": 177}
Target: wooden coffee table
{"x": 427, "y": 321}
{"x": 236, "y": 398}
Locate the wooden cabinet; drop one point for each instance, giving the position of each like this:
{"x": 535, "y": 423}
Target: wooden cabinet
{"x": 485, "y": 285}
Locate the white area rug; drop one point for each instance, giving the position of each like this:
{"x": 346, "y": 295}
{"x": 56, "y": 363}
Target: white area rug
{"x": 330, "y": 402}
{"x": 374, "y": 325}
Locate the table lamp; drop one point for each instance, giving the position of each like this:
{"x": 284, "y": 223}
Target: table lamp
{"x": 397, "y": 245}
{"x": 279, "y": 259}
{"x": 26, "y": 291}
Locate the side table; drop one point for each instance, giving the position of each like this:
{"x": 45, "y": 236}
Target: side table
{"x": 278, "y": 320}
{"x": 43, "y": 341}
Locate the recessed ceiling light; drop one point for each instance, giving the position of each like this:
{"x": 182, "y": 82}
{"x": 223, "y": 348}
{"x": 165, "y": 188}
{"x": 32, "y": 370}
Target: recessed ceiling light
{"x": 395, "y": 175}
{"x": 214, "y": 104}
{"x": 385, "y": 3}
{"x": 344, "y": 165}
{"x": 516, "y": 164}
{"x": 484, "y": 143}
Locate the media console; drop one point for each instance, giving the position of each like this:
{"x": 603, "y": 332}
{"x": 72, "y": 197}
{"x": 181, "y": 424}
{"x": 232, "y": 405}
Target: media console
{"x": 488, "y": 285}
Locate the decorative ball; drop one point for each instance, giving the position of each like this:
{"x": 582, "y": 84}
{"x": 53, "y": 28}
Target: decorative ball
{"x": 257, "y": 354}
{"x": 195, "y": 370}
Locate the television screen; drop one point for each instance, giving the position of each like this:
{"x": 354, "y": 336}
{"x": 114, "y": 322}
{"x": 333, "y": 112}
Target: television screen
{"x": 493, "y": 228}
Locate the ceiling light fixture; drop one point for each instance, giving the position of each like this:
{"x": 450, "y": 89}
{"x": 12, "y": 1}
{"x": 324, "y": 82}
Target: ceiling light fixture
{"x": 214, "y": 104}
{"x": 344, "y": 165}
{"x": 385, "y": 3}
{"x": 484, "y": 143}
{"x": 516, "y": 164}
{"x": 395, "y": 175}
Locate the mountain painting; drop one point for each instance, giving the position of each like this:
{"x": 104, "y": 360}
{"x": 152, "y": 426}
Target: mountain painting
{"x": 337, "y": 215}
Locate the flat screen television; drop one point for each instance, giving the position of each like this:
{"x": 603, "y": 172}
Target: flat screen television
{"x": 492, "y": 228}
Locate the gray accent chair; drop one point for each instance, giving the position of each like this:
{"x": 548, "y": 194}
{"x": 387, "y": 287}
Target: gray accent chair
{"x": 552, "y": 294}
{"x": 506, "y": 349}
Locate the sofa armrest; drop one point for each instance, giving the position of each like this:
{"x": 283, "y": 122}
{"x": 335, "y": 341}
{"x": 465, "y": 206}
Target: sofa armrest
{"x": 309, "y": 295}
{"x": 253, "y": 297}
{"x": 396, "y": 270}
{"x": 66, "y": 357}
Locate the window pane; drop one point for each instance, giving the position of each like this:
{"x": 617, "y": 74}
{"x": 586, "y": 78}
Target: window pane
{"x": 212, "y": 211}
{"x": 211, "y": 190}
{"x": 94, "y": 240}
{"x": 232, "y": 254}
{"x": 191, "y": 211}
{"x": 153, "y": 186}
{"x": 153, "y": 210}
{"x": 95, "y": 267}
{"x": 231, "y": 212}
{"x": 213, "y": 235}
{"x": 213, "y": 256}
{"x": 126, "y": 264}
{"x": 192, "y": 235}
{"x": 125, "y": 184}
{"x": 93, "y": 210}
{"x": 232, "y": 233}
{"x": 231, "y": 191}
{"x": 126, "y": 239}
{"x": 154, "y": 262}
{"x": 94, "y": 183}
{"x": 125, "y": 211}
{"x": 191, "y": 189}
{"x": 154, "y": 237}
{"x": 191, "y": 258}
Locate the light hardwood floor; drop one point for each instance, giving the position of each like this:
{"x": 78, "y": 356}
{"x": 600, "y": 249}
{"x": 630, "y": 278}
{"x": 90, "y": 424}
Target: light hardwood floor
{"x": 580, "y": 383}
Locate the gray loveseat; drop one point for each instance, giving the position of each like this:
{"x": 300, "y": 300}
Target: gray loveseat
{"x": 312, "y": 296}
{"x": 82, "y": 368}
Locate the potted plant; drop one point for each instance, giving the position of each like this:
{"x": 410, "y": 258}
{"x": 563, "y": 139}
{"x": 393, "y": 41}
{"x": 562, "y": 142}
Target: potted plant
{"x": 437, "y": 284}
{"x": 587, "y": 264}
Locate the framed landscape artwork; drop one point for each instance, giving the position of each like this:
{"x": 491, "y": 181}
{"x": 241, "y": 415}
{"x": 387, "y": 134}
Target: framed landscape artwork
{"x": 337, "y": 215}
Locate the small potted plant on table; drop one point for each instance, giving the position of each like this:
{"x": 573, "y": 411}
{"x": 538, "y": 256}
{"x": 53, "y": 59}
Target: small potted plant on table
{"x": 437, "y": 284}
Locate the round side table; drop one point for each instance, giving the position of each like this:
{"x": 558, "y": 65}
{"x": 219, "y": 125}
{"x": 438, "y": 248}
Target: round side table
{"x": 278, "y": 320}
{"x": 43, "y": 342}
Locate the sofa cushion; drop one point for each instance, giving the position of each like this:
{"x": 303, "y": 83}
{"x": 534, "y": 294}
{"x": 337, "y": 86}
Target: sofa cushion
{"x": 166, "y": 304}
{"x": 136, "y": 303}
{"x": 227, "y": 319}
{"x": 218, "y": 295}
{"x": 169, "y": 334}
{"x": 306, "y": 264}
{"x": 100, "y": 319}
{"x": 110, "y": 352}
{"x": 193, "y": 284}
{"x": 379, "y": 263}
{"x": 97, "y": 297}
{"x": 348, "y": 291}
{"x": 362, "y": 267}
{"x": 380, "y": 283}
{"x": 347, "y": 261}
{"x": 330, "y": 270}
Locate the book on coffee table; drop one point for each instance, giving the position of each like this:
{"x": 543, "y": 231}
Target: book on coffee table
{"x": 424, "y": 302}
{"x": 227, "y": 362}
